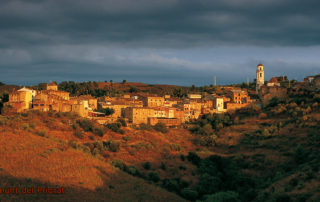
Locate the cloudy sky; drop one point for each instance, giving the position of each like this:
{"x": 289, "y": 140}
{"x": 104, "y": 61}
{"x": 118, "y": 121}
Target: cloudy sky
{"x": 181, "y": 42}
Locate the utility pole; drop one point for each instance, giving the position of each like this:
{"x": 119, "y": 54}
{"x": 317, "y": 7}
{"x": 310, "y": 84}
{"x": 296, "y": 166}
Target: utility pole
{"x": 215, "y": 80}
{"x": 248, "y": 83}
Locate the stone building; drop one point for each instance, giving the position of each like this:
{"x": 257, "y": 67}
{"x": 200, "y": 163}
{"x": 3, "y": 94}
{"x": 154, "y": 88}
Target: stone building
{"x": 259, "y": 77}
{"x": 52, "y": 86}
{"x": 138, "y": 115}
{"x": 273, "y": 82}
{"x": 153, "y": 101}
{"x": 266, "y": 93}
{"x": 21, "y": 99}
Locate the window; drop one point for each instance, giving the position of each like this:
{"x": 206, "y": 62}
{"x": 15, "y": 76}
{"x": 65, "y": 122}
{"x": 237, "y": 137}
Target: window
{"x": 260, "y": 74}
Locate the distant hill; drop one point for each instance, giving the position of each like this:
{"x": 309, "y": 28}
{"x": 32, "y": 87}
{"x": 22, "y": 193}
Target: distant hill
{"x": 253, "y": 154}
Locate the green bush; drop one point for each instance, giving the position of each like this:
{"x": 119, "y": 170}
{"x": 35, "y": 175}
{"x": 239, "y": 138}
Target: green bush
{"x": 3, "y": 120}
{"x": 96, "y": 151}
{"x": 161, "y": 127}
{"x": 171, "y": 185}
{"x": 145, "y": 127}
{"x": 175, "y": 147}
{"x": 78, "y": 133}
{"x": 106, "y": 111}
{"x": 153, "y": 176}
{"x": 163, "y": 166}
{"x": 146, "y": 165}
{"x": 118, "y": 163}
{"x": 126, "y": 138}
{"x": 85, "y": 124}
{"x": 25, "y": 126}
{"x": 115, "y": 127}
{"x": 112, "y": 145}
{"x": 122, "y": 122}
{"x": 98, "y": 131}
{"x": 42, "y": 133}
{"x": 73, "y": 144}
{"x": 133, "y": 171}
{"x": 193, "y": 158}
{"x": 189, "y": 194}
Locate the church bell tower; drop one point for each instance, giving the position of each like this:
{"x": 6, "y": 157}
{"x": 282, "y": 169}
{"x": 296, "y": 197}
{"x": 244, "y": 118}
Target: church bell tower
{"x": 260, "y": 77}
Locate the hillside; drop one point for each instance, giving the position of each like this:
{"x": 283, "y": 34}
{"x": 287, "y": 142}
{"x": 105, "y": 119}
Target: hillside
{"x": 32, "y": 157}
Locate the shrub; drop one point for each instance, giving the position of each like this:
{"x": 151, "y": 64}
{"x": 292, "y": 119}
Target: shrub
{"x": 113, "y": 146}
{"x": 85, "y": 149}
{"x": 85, "y": 124}
{"x": 193, "y": 158}
{"x": 161, "y": 127}
{"x": 133, "y": 171}
{"x": 42, "y": 133}
{"x": 3, "y": 120}
{"x": 78, "y": 133}
{"x": 122, "y": 122}
{"x": 146, "y": 165}
{"x": 207, "y": 140}
{"x": 163, "y": 166}
{"x": 115, "y": 127}
{"x": 175, "y": 147}
{"x": 182, "y": 157}
{"x": 73, "y": 144}
{"x": 95, "y": 151}
{"x": 99, "y": 145}
{"x": 107, "y": 111}
{"x": 171, "y": 185}
{"x": 98, "y": 131}
{"x": 300, "y": 155}
{"x": 126, "y": 138}
{"x": 118, "y": 163}
{"x": 145, "y": 127}
{"x": 31, "y": 125}
{"x": 208, "y": 184}
{"x": 153, "y": 176}
{"x": 25, "y": 126}
{"x": 189, "y": 194}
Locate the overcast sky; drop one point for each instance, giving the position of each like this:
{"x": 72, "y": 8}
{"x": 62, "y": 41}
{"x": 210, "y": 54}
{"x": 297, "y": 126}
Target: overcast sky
{"x": 181, "y": 42}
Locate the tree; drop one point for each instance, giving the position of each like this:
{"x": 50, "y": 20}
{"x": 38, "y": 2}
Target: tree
{"x": 107, "y": 111}
{"x": 124, "y": 81}
{"x": 133, "y": 89}
{"x": 111, "y": 81}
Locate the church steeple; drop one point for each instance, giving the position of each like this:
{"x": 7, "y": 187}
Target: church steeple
{"x": 260, "y": 77}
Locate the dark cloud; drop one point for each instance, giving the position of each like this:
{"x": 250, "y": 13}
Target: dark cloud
{"x": 145, "y": 22}
{"x": 83, "y": 40}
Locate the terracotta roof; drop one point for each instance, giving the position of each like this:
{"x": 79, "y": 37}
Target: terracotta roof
{"x": 273, "y": 80}
{"x": 52, "y": 84}
{"x": 260, "y": 64}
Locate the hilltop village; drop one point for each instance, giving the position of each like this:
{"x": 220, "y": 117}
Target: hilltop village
{"x": 143, "y": 108}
